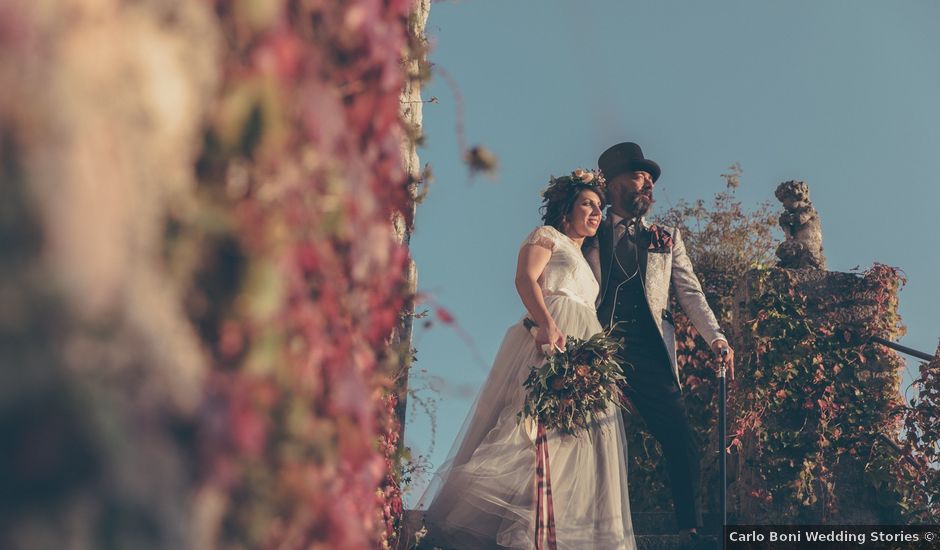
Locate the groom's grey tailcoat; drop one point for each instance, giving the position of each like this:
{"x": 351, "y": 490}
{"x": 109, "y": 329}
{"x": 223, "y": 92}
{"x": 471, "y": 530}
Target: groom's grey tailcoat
{"x": 661, "y": 271}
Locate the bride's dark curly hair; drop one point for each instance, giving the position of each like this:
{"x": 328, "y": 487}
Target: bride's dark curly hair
{"x": 559, "y": 197}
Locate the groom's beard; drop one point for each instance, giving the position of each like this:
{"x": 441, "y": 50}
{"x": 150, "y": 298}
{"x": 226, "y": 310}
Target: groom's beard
{"x": 637, "y": 204}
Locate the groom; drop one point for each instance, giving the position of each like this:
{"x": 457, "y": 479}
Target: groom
{"x": 636, "y": 265}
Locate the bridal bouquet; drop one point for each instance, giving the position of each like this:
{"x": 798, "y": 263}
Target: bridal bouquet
{"x": 573, "y": 386}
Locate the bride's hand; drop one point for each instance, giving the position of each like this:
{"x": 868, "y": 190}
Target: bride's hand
{"x": 550, "y": 336}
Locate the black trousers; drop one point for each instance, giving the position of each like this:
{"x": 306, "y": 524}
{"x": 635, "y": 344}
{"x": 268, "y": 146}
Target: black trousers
{"x": 656, "y": 396}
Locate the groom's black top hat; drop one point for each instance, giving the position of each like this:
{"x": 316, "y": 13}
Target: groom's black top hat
{"x": 625, "y": 157}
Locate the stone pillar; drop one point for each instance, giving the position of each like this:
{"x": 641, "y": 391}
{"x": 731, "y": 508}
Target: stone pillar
{"x": 412, "y": 113}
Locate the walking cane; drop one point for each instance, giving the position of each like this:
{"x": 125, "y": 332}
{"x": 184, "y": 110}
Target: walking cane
{"x": 722, "y": 442}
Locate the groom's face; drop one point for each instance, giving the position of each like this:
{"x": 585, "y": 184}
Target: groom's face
{"x": 631, "y": 193}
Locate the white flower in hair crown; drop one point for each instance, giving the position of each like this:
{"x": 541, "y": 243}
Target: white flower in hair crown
{"x": 586, "y": 176}
{"x": 595, "y": 177}
{"x": 591, "y": 177}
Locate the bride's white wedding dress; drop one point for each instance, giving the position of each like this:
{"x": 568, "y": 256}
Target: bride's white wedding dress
{"x": 483, "y": 496}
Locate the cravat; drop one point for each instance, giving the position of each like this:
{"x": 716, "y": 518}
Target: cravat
{"x": 621, "y": 228}
{"x": 625, "y": 250}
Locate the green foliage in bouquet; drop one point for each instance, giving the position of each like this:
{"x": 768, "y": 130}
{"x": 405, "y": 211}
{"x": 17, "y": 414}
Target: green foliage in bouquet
{"x": 574, "y": 386}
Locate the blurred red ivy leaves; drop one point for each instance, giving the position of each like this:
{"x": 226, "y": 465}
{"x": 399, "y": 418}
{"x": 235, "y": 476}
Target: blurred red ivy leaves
{"x": 303, "y": 278}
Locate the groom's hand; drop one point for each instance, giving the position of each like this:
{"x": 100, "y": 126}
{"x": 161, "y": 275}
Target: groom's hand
{"x": 728, "y": 360}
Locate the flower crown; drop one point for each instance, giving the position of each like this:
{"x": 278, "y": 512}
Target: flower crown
{"x": 583, "y": 178}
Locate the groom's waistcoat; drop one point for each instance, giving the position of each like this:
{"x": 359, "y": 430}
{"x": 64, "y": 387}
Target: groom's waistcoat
{"x": 660, "y": 269}
{"x": 623, "y": 301}
{"x": 623, "y": 304}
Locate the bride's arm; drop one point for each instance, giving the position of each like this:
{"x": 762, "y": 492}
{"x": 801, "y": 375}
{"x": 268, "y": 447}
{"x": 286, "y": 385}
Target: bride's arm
{"x": 532, "y": 260}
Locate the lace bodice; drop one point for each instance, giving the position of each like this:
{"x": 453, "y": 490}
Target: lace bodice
{"x": 567, "y": 273}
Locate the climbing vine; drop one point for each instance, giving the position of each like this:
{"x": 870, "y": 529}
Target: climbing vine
{"x": 818, "y": 410}
{"x": 302, "y": 278}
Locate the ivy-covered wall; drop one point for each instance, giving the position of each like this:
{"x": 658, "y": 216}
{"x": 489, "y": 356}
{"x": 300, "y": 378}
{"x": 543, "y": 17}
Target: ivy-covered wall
{"x": 205, "y": 208}
{"x": 819, "y": 430}
{"x": 814, "y": 410}
{"x": 304, "y": 164}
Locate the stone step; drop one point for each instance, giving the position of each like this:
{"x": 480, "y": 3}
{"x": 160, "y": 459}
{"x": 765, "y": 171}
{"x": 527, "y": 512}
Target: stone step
{"x": 654, "y": 531}
{"x": 664, "y": 523}
{"x": 645, "y": 542}
{"x": 674, "y": 542}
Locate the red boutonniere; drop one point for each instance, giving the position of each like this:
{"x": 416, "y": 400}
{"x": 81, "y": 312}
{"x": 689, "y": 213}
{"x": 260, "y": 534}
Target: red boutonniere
{"x": 660, "y": 240}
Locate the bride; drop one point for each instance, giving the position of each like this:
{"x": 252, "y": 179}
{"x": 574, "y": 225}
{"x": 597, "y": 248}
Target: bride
{"x": 483, "y": 496}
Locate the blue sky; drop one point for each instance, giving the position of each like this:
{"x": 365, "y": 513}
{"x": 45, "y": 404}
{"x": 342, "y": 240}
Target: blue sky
{"x": 841, "y": 94}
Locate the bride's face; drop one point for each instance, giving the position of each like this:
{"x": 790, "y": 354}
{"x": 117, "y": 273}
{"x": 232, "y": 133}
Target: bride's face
{"x": 585, "y": 215}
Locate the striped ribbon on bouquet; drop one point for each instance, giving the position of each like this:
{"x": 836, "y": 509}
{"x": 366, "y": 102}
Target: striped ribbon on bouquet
{"x": 544, "y": 523}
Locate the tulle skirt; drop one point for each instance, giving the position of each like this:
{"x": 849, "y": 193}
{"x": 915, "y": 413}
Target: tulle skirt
{"x": 483, "y": 496}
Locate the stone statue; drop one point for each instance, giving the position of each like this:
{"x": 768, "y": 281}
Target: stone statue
{"x": 800, "y": 223}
